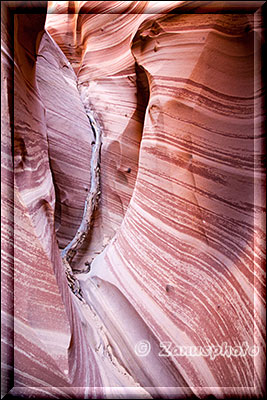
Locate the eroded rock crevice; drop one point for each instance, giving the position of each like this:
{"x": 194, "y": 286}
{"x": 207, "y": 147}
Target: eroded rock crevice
{"x": 93, "y": 197}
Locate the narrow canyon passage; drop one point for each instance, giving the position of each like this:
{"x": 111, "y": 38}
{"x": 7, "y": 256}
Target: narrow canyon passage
{"x": 135, "y": 133}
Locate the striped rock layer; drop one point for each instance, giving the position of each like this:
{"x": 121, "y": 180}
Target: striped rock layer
{"x": 175, "y": 255}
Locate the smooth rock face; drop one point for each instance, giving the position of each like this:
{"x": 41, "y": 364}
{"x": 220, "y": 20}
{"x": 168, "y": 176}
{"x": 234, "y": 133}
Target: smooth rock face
{"x": 175, "y": 253}
{"x": 69, "y": 161}
{"x": 34, "y": 354}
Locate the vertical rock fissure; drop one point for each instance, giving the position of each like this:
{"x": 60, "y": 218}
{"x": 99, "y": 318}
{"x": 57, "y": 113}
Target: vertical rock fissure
{"x": 91, "y": 203}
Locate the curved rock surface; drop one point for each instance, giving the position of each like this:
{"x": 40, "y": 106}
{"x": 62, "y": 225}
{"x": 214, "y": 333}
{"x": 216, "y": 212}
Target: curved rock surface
{"x": 175, "y": 254}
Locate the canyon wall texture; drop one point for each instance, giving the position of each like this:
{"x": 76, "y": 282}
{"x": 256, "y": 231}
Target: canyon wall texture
{"x": 174, "y": 257}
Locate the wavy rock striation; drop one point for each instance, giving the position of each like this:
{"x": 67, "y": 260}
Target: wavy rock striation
{"x": 174, "y": 255}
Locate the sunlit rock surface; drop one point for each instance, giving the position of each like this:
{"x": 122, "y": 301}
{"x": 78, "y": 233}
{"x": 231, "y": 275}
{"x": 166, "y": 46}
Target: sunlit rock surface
{"x": 175, "y": 254}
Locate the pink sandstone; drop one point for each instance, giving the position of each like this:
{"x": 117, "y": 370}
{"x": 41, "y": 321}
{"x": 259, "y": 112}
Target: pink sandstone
{"x": 175, "y": 253}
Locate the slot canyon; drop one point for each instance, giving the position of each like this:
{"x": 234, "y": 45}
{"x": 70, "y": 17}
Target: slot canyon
{"x": 133, "y": 199}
